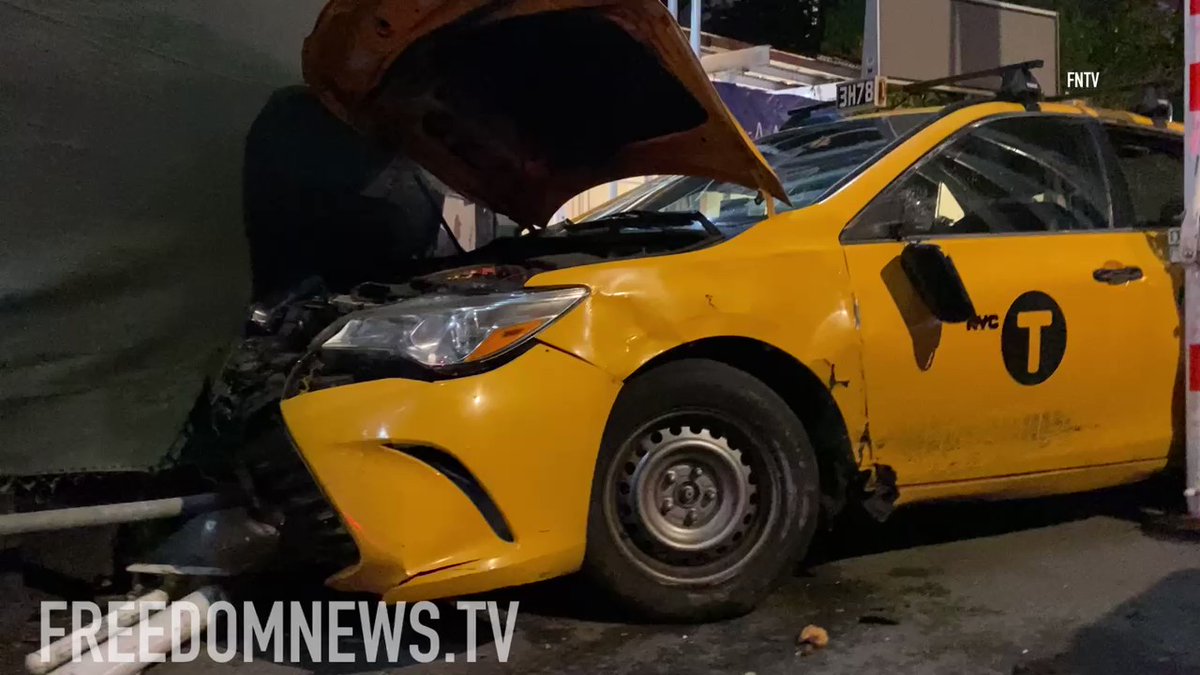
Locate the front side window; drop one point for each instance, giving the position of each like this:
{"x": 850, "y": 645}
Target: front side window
{"x": 1023, "y": 174}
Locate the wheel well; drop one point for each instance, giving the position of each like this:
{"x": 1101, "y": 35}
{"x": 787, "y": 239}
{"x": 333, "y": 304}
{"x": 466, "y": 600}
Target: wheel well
{"x": 804, "y": 392}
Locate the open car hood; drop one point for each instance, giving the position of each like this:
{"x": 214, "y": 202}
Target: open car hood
{"x": 523, "y": 104}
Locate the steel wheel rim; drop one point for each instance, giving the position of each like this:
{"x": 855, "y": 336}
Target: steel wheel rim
{"x": 691, "y": 488}
{"x": 669, "y": 541}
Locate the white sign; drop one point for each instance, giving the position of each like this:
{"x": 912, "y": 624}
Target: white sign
{"x": 1083, "y": 79}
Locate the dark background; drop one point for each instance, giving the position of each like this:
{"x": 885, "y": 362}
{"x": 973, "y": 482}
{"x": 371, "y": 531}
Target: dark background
{"x": 1126, "y": 40}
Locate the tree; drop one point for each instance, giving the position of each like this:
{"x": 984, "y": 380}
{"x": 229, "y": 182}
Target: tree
{"x": 791, "y": 25}
{"x": 1126, "y": 41}
{"x": 843, "y": 23}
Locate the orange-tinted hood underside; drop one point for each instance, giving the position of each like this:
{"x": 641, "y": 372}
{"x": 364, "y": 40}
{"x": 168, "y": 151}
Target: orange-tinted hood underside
{"x": 523, "y": 104}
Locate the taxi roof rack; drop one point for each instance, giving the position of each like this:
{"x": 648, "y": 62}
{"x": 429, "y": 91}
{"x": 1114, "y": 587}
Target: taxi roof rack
{"x": 1153, "y": 105}
{"x": 1154, "y": 102}
{"x": 1018, "y": 84}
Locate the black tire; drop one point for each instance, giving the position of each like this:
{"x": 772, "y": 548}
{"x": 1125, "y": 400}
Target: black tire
{"x": 693, "y": 413}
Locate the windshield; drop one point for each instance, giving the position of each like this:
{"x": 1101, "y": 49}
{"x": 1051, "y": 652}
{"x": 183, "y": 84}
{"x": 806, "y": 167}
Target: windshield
{"x": 810, "y": 161}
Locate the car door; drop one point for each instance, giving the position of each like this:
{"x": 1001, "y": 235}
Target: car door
{"x": 1147, "y": 167}
{"x": 1071, "y": 357}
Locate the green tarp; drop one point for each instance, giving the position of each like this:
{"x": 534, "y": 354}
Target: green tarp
{"x": 123, "y": 261}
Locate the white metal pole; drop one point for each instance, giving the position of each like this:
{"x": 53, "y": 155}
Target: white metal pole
{"x": 106, "y": 514}
{"x": 1189, "y": 245}
{"x": 695, "y": 34}
{"x": 673, "y": 5}
{"x": 58, "y": 652}
{"x": 171, "y": 630}
{"x": 870, "y": 50}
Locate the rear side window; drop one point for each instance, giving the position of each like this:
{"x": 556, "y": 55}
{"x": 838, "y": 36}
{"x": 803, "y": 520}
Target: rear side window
{"x": 1024, "y": 174}
{"x": 1151, "y": 165}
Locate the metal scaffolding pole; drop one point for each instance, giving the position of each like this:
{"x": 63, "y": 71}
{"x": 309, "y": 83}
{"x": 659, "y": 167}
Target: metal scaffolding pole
{"x": 106, "y": 514}
{"x": 695, "y": 26}
{"x": 870, "y": 50}
{"x": 1189, "y": 245}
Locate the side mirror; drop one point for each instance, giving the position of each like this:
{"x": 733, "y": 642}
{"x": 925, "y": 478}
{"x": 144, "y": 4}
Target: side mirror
{"x": 935, "y": 278}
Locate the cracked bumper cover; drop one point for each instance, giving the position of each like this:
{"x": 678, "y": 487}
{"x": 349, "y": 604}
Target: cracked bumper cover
{"x": 528, "y": 434}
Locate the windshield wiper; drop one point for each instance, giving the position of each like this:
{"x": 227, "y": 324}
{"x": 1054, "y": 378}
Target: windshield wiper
{"x": 538, "y": 230}
{"x": 655, "y": 219}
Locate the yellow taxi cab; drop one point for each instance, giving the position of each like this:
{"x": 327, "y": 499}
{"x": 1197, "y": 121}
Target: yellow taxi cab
{"x": 971, "y": 302}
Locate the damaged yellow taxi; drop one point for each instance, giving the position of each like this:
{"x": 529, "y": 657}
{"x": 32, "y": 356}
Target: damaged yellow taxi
{"x": 670, "y": 393}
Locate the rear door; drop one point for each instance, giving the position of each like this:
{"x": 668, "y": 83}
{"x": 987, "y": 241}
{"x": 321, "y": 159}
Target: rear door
{"x": 1148, "y": 190}
{"x": 1071, "y": 358}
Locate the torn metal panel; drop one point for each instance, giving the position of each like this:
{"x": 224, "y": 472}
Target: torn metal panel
{"x": 833, "y": 382}
{"x": 866, "y": 450}
{"x": 881, "y": 492}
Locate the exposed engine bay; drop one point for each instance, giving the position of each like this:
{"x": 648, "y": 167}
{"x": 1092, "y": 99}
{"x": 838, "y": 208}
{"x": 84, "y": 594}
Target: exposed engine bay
{"x": 278, "y": 358}
{"x": 280, "y": 330}
{"x": 509, "y": 262}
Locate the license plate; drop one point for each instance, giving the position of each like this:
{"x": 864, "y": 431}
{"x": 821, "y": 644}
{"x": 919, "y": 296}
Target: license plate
{"x": 868, "y": 93}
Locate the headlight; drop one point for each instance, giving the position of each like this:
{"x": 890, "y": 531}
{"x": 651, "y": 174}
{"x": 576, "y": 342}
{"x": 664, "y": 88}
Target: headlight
{"x": 447, "y": 330}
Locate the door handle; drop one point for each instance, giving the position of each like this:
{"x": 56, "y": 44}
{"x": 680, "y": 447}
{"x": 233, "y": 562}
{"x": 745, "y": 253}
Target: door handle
{"x": 1117, "y": 276}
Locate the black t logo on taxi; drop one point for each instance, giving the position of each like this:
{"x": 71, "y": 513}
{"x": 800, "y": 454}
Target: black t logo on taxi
{"x": 1034, "y": 338}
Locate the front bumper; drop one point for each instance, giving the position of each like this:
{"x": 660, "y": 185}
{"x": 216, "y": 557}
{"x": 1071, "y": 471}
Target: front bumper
{"x": 527, "y": 433}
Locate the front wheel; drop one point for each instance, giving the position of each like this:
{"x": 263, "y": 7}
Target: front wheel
{"x": 705, "y": 493}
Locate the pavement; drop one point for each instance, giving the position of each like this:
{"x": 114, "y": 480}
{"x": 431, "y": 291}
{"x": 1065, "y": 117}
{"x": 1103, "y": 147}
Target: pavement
{"x": 1060, "y": 586}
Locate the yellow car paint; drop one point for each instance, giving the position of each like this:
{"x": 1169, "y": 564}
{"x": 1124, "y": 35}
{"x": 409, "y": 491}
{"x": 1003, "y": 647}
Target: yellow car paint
{"x": 935, "y": 406}
{"x": 519, "y": 429}
{"x": 942, "y": 383}
{"x": 1036, "y": 484}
